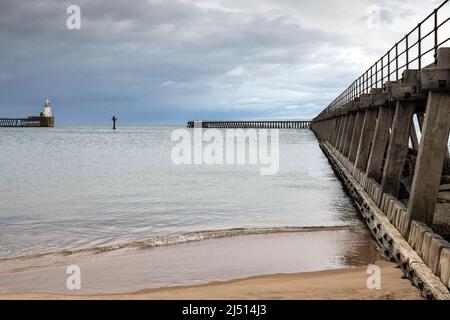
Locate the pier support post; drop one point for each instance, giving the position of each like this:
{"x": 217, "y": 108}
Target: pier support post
{"x": 349, "y": 134}
{"x": 380, "y": 141}
{"x": 333, "y": 129}
{"x": 398, "y": 147}
{"x": 365, "y": 141}
{"x": 413, "y": 136}
{"x": 335, "y": 137}
{"x": 343, "y": 133}
{"x": 356, "y": 136}
{"x": 432, "y": 151}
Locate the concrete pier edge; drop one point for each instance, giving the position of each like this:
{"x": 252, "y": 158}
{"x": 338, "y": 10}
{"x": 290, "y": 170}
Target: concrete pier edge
{"x": 386, "y": 234}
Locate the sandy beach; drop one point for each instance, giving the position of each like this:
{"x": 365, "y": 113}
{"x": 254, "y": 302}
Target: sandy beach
{"x": 343, "y": 284}
{"x": 191, "y": 264}
{"x": 253, "y": 267}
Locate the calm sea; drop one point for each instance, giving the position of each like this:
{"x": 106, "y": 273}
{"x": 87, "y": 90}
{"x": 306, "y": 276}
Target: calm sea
{"x": 70, "y": 188}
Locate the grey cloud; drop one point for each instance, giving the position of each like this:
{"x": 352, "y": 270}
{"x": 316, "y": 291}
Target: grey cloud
{"x": 166, "y": 59}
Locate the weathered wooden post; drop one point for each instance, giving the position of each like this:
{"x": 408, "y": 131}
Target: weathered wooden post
{"x": 331, "y": 131}
{"x": 335, "y": 138}
{"x": 413, "y": 136}
{"x": 406, "y": 96}
{"x": 433, "y": 144}
{"x": 398, "y": 147}
{"x": 368, "y": 129}
{"x": 349, "y": 134}
{"x": 343, "y": 133}
{"x": 380, "y": 141}
{"x": 356, "y": 136}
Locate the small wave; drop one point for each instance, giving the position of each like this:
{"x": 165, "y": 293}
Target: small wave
{"x": 227, "y": 233}
{"x": 188, "y": 238}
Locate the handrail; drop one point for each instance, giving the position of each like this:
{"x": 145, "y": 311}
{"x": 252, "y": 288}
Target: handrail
{"x": 388, "y": 67}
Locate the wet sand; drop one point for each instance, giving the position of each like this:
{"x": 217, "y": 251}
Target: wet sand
{"x": 330, "y": 263}
{"x": 343, "y": 284}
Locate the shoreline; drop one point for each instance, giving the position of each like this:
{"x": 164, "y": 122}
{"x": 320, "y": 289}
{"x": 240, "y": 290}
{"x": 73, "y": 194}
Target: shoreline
{"x": 178, "y": 239}
{"x": 338, "y": 284}
{"x": 192, "y": 263}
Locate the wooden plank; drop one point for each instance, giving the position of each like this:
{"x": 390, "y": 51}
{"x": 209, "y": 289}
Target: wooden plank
{"x": 413, "y": 136}
{"x": 344, "y": 133}
{"x": 380, "y": 141}
{"x": 436, "y": 247}
{"x": 398, "y": 147}
{"x": 421, "y": 119}
{"x": 430, "y": 160}
{"x": 339, "y": 133}
{"x": 365, "y": 142}
{"x": 444, "y": 266}
{"x": 356, "y": 136}
{"x": 432, "y": 151}
{"x": 333, "y": 129}
{"x": 349, "y": 135}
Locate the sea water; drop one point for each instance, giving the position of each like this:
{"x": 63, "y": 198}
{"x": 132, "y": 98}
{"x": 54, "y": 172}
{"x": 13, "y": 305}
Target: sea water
{"x": 74, "y": 188}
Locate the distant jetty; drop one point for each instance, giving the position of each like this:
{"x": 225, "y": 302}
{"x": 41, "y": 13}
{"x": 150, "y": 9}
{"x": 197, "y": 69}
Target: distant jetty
{"x": 45, "y": 119}
{"x": 269, "y": 124}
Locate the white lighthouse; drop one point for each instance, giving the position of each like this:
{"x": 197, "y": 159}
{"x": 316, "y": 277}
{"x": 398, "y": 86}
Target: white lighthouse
{"x": 47, "y": 109}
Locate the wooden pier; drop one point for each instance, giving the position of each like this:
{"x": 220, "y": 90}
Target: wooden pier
{"x": 250, "y": 124}
{"x": 27, "y": 122}
{"x": 400, "y": 184}
{"x": 45, "y": 119}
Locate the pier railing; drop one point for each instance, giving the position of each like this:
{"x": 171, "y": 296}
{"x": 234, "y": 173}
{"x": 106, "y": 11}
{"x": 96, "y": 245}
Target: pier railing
{"x": 414, "y": 51}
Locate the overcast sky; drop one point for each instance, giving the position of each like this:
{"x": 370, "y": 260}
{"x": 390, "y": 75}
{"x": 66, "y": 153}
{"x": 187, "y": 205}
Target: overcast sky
{"x": 163, "y": 61}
